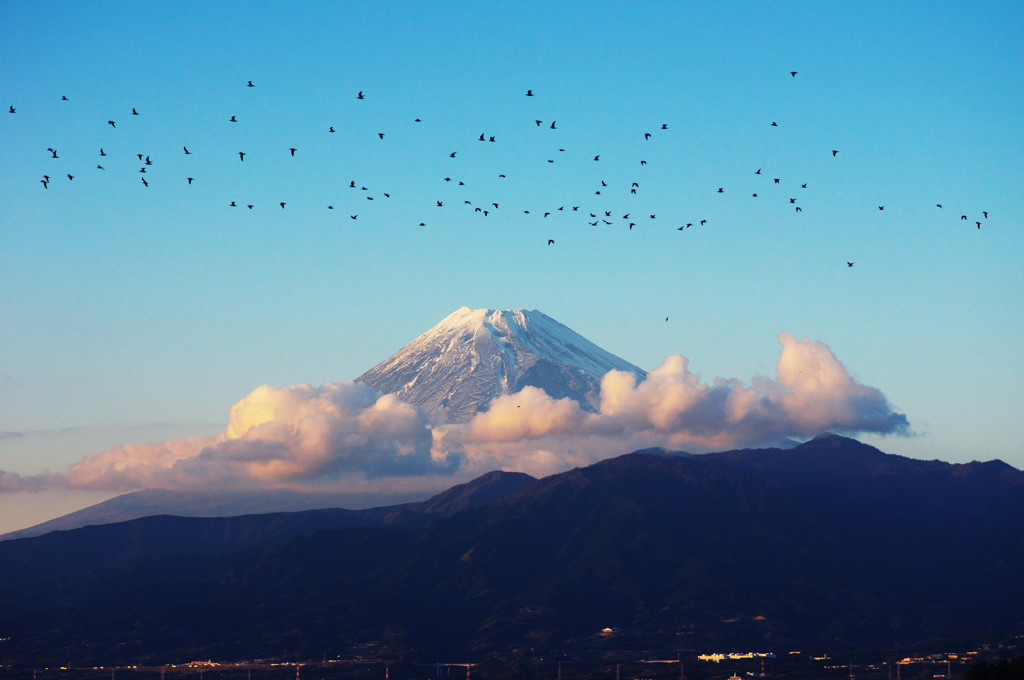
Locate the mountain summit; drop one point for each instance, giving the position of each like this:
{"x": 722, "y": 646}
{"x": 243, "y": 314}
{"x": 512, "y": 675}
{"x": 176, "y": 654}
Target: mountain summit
{"x": 459, "y": 366}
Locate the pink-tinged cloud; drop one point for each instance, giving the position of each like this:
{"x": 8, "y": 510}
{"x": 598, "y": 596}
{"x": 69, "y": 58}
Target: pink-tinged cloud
{"x": 346, "y": 436}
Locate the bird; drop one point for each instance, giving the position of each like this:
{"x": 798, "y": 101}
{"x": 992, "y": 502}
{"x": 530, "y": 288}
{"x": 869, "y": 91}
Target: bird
{"x": 849, "y": 264}
{"x": 792, "y": 200}
{"x": 793, "y": 73}
{"x": 551, "y": 241}
{"x": 776, "y": 180}
{"x": 187, "y": 152}
{"x": 835, "y": 152}
{"x": 803, "y": 186}
{"x": 597, "y": 158}
{"x": 139, "y": 155}
{"x": 360, "y": 95}
{"x": 144, "y": 182}
{"x": 452, "y": 154}
{"x": 232, "y": 205}
{"x": 721, "y": 190}
{"x": 774, "y": 124}
{"x": 331, "y": 129}
{"x": 54, "y": 152}
{"x": 189, "y": 179}
{"x": 148, "y": 162}
{"x": 102, "y": 152}
{"x": 703, "y": 222}
{"x": 134, "y": 112}
{"x": 353, "y": 216}
{"x": 249, "y": 84}
{"x": 282, "y": 205}
{"x": 529, "y": 93}
{"x": 985, "y": 213}
{"x": 482, "y": 139}
{"x": 538, "y": 122}
{"x": 666, "y": 318}
{"x": 664, "y": 126}
{"x": 979, "y": 224}
{"x": 381, "y": 135}
{"x": 70, "y": 177}
{"x": 233, "y": 120}
{"x": 643, "y": 162}
{"x": 799, "y": 209}
{"x": 111, "y": 123}
{"x": 46, "y": 184}
{"x": 249, "y": 206}
{"x": 753, "y": 195}
{"x": 647, "y": 135}
{"x": 100, "y": 167}
{"x": 241, "y": 155}
{"x": 963, "y": 217}
{"x": 441, "y": 205}
{"x": 293, "y": 150}
{"x": 758, "y": 171}
{"x": 491, "y": 138}
{"x": 881, "y": 207}
{"x": 10, "y": 110}
{"x": 553, "y": 125}
{"x": 330, "y": 207}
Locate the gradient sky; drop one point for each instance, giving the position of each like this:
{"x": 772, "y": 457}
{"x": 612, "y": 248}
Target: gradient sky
{"x": 134, "y": 314}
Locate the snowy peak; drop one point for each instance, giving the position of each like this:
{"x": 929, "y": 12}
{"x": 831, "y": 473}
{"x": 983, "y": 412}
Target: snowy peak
{"x": 472, "y": 356}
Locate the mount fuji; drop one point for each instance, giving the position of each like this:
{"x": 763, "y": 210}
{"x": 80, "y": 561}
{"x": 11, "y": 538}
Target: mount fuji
{"x": 459, "y": 366}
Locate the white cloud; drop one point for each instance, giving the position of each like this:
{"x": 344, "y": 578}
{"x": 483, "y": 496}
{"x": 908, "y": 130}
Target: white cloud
{"x": 347, "y": 436}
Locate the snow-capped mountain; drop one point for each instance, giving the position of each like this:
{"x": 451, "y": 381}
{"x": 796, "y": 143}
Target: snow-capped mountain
{"x": 474, "y": 355}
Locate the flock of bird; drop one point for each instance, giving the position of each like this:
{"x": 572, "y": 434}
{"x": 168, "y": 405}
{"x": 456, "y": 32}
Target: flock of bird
{"x": 628, "y": 217}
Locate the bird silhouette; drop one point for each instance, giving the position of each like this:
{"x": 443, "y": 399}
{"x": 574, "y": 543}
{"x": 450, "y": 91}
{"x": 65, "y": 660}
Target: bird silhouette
{"x": 551, "y": 241}
{"x": 102, "y": 152}
{"x": 774, "y": 124}
{"x": 881, "y": 207}
{"x": 233, "y": 120}
{"x": 529, "y": 93}
{"x": 985, "y": 213}
{"x": 381, "y": 135}
{"x": 664, "y": 126}
{"x": 293, "y": 150}
{"x": 282, "y": 205}
{"x": 979, "y": 224}
{"x": 241, "y": 155}
{"x": 111, "y": 123}
{"x": 331, "y": 129}
{"x": 353, "y": 216}
{"x": 835, "y": 153}
{"x": 647, "y": 135}
{"x": 553, "y": 125}
{"x": 100, "y": 167}
{"x": 10, "y": 110}
{"x": 597, "y": 158}
{"x": 793, "y": 73}
{"x": 187, "y": 152}
{"x": 232, "y": 205}
{"x": 144, "y": 182}
{"x": 721, "y": 190}
{"x": 134, "y": 112}
{"x": 758, "y": 172}
{"x": 849, "y": 264}
{"x": 963, "y": 217}
{"x": 360, "y": 95}
{"x": 70, "y": 177}
{"x": 249, "y": 84}
{"x": 189, "y": 179}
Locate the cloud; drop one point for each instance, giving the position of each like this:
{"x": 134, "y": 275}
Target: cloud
{"x": 346, "y": 436}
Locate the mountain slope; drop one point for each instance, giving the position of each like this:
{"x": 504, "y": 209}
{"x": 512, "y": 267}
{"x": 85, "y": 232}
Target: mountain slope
{"x": 474, "y": 355}
{"x": 830, "y": 544}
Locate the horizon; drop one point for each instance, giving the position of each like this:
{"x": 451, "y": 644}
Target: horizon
{"x": 139, "y": 314}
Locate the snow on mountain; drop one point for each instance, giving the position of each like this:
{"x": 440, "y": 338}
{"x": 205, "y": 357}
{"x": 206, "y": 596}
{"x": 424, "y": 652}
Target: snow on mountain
{"x": 456, "y": 368}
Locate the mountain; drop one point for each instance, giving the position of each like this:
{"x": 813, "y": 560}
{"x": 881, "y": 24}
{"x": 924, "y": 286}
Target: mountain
{"x": 222, "y": 503}
{"x": 829, "y": 545}
{"x": 457, "y": 367}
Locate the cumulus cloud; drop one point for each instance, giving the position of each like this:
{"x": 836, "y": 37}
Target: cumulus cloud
{"x": 347, "y": 436}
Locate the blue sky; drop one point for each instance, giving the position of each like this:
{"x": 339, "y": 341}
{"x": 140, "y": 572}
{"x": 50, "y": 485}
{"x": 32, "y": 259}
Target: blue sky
{"x": 135, "y": 314}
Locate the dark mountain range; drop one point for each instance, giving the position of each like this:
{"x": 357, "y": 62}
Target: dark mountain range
{"x": 831, "y": 543}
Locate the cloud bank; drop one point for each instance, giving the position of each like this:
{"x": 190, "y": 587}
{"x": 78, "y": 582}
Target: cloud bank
{"x": 346, "y": 436}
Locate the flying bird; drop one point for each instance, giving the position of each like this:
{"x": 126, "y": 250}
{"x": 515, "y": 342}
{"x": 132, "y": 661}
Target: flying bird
{"x": 551, "y": 241}
{"x": 835, "y": 152}
{"x": 111, "y": 123}
{"x": 70, "y": 177}
{"x": 881, "y": 207}
{"x": 293, "y": 150}
{"x": 381, "y": 135}
{"x": 360, "y": 95}
{"x": 849, "y": 264}
{"x": 774, "y": 124}
{"x": 10, "y": 110}
{"x": 985, "y": 213}
{"x": 189, "y": 179}
{"x": 241, "y": 155}
{"x": 187, "y": 152}
{"x": 100, "y": 167}
{"x": 134, "y": 112}
{"x": 552, "y": 125}
{"x": 331, "y": 129}
{"x": 529, "y": 93}
{"x": 793, "y": 73}
{"x": 282, "y": 205}
{"x": 233, "y": 120}
{"x": 144, "y": 182}
{"x": 249, "y": 84}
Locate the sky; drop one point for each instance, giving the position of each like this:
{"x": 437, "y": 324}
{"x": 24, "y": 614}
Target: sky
{"x": 135, "y": 318}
